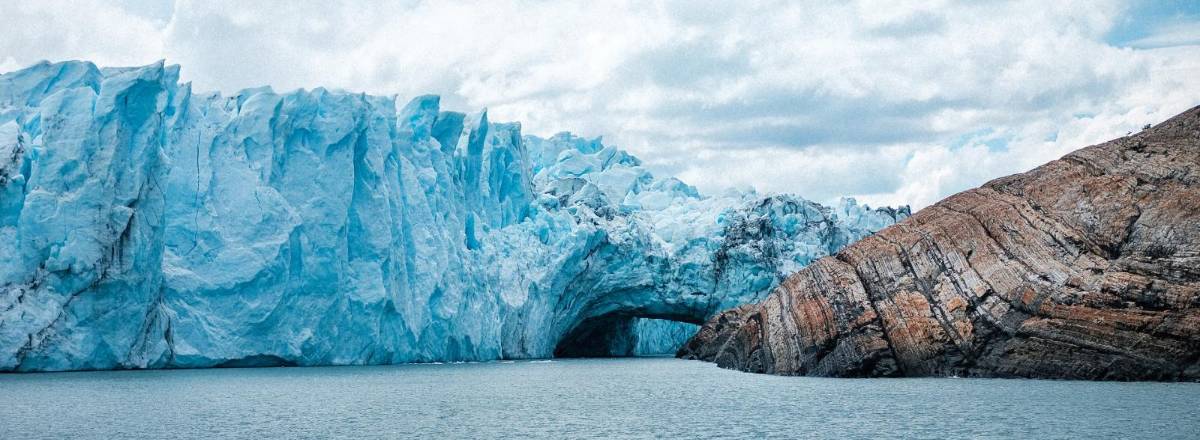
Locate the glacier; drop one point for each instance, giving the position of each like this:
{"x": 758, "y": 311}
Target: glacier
{"x": 149, "y": 226}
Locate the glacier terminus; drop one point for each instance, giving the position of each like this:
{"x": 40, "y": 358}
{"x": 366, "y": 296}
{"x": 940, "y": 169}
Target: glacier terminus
{"x": 145, "y": 225}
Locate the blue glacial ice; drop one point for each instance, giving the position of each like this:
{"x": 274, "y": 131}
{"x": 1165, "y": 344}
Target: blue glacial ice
{"x": 148, "y": 226}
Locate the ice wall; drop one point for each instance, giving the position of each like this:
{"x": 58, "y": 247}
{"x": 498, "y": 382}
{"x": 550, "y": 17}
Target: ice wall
{"x": 147, "y": 226}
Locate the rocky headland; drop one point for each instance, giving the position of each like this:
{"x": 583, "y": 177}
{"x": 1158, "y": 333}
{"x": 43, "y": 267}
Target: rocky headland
{"x": 1087, "y": 267}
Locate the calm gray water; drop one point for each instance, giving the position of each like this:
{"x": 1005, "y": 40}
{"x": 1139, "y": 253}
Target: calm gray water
{"x": 613, "y": 398}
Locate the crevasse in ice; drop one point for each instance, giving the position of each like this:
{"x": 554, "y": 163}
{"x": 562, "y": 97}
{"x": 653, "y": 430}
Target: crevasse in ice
{"x": 147, "y": 226}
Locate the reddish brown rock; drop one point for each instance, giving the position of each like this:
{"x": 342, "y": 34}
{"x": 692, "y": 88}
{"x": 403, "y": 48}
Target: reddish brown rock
{"x": 1087, "y": 267}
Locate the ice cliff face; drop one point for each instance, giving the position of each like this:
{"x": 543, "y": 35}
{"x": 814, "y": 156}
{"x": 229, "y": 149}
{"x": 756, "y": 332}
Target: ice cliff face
{"x": 146, "y": 226}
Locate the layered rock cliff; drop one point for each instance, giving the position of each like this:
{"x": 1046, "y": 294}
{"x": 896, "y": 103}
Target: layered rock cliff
{"x": 143, "y": 225}
{"x": 1087, "y": 267}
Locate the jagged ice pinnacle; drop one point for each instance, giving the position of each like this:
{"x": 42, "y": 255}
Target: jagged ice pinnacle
{"x": 147, "y": 226}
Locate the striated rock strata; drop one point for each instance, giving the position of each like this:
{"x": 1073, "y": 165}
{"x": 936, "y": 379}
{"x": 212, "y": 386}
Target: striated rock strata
{"x": 1087, "y": 267}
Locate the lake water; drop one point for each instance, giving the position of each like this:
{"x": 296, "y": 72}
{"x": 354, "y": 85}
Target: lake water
{"x": 611, "y": 398}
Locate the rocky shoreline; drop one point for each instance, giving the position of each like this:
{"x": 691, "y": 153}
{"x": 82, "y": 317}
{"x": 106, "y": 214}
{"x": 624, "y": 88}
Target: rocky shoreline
{"x": 1087, "y": 267}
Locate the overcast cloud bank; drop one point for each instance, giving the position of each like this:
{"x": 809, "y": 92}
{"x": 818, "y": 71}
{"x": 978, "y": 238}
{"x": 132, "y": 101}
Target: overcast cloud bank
{"x": 891, "y": 103}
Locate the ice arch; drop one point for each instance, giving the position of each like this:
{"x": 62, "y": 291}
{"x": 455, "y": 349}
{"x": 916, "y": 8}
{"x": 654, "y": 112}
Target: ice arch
{"x": 157, "y": 227}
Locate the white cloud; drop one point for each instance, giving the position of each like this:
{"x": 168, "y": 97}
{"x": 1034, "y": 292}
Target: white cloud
{"x": 884, "y": 101}
{"x": 84, "y": 29}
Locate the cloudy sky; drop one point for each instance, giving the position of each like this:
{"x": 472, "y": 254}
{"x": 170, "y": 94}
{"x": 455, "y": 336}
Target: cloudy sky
{"x": 891, "y": 102}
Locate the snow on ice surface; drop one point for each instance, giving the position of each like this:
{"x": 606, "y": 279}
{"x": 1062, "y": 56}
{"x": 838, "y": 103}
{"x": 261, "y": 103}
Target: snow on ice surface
{"x": 150, "y": 226}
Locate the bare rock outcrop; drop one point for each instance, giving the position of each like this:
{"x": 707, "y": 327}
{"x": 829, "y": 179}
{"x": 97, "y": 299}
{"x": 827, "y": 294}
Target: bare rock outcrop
{"x": 1087, "y": 267}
